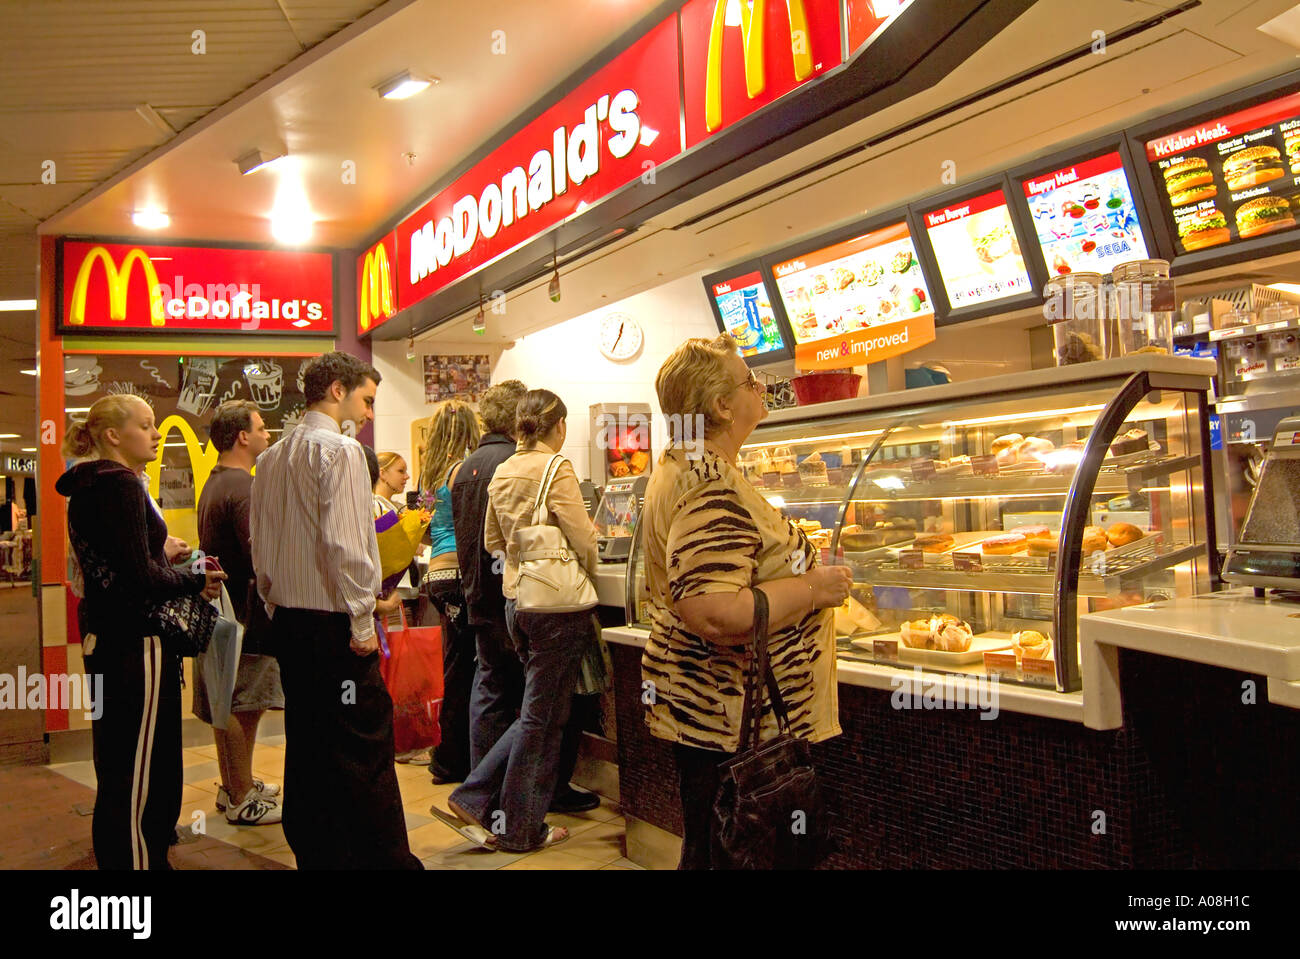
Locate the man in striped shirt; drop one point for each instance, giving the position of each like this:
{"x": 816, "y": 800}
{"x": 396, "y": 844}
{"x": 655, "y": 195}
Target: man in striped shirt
{"x": 317, "y": 564}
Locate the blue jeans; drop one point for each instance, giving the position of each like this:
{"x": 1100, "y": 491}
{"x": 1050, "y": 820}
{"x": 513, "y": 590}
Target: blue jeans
{"x": 498, "y": 688}
{"x": 510, "y": 791}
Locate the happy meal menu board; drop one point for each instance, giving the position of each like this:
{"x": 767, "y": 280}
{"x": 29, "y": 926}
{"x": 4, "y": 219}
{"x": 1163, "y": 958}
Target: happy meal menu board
{"x": 868, "y": 281}
{"x": 1085, "y": 216}
{"x": 977, "y": 251}
{"x": 1230, "y": 178}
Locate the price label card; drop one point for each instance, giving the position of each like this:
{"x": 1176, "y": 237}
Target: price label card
{"x": 771, "y": 479}
{"x": 923, "y": 470}
{"x": 791, "y": 480}
{"x": 886, "y": 649}
{"x": 1288, "y": 363}
{"x": 1001, "y": 665}
{"x": 968, "y": 562}
{"x": 1039, "y": 672}
{"x": 911, "y": 559}
{"x": 986, "y": 465}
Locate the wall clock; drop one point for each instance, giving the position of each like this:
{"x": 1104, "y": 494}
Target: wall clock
{"x": 620, "y": 337}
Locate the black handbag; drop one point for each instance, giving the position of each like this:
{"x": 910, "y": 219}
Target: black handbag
{"x": 769, "y": 812}
{"x": 184, "y": 624}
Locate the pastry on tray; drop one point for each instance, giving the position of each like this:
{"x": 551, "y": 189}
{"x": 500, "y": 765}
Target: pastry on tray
{"x": 933, "y": 542}
{"x": 1008, "y": 442}
{"x": 1005, "y": 544}
{"x": 1036, "y": 532}
{"x": 1034, "y": 447}
{"x": 813, "y": 470}
{"x": 1030, "y": 644}
{"x": 1094, "y": 539}
{"x": 1121, "y": 534}
{"x": 1043, "y": 547}
{"x": 943, "y": 632}
{"x": 1133, "y": 441}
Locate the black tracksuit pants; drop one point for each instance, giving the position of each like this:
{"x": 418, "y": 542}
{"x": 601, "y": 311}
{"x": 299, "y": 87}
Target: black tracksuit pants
{"x": 137, "y": 748}
{"x": 342, "y": 806}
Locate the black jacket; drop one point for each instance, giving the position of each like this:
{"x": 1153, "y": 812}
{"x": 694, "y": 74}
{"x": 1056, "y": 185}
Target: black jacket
{"x": 469, "y": 503}
{"x": 118, "y": 538}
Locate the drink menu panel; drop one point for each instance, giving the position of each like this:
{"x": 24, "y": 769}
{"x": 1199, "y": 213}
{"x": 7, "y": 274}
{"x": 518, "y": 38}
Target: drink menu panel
{"x": 1085, "y": 216}
{"x": 977, "y": 250}
{"x": 745, "y": 311}
{"x": 868, "y": 281}
{"x": 1230, "y": 178}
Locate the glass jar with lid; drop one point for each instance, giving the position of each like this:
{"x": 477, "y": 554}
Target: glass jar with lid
{"x": 1073, "y": 304}
{"x": 1143, "y": 306}
{"x": 1235, "y": 318}
{"x": 1279, "y": 313}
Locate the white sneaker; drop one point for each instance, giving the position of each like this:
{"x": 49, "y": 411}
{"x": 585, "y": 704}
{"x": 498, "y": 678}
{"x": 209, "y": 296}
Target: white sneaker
{"x": 265, "y": 790}
{"x": 254, "y": 811}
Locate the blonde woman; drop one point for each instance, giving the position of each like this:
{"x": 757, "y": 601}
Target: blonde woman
{"x": 120, "y": 542}
{"x": 453, "y": 434}
{"x": 392, "y": 482}
{"x": 710, "y": 541}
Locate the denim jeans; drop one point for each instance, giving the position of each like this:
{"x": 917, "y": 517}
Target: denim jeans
{"x": 498, "y": 688}
{"x": 510, "y": 790}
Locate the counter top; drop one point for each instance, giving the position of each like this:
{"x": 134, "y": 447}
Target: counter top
{"x": 611, "y": 584}
{"x": 1231, "y": 629}
{"x": 917, "y": 682}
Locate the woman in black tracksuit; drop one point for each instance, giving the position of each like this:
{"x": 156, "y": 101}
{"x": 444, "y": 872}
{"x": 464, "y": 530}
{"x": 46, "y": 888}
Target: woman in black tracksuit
{"x": 119, "y": 538}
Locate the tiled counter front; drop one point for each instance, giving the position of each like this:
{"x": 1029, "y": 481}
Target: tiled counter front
{"x": 946, "y": 789}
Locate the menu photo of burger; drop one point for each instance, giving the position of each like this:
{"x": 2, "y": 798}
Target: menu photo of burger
{"x": 1189, "y": 180}
{"x": 1253, "y": 166}
{"x": 1202, "y": 228}
{"x": 1264, "y": 214}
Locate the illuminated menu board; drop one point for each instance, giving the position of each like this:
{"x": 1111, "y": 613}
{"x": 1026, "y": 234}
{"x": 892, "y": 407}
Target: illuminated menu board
{"x": 977, "y": 251}
{"x": 743, "y": 308}
{"x": 1085, "y": 216}
{"x": 1230, "y": 178}
{"x": 856, "y": 301}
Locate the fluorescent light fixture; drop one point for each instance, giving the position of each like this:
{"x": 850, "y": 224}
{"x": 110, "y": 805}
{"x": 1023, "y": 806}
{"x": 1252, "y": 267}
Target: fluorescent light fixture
{"x": 406, "y": 84}
{"x": 255, "y": 160}
{"x": 291, "y": 227}
{"x": 11, "y": 306}
{"x": 77, "y": 409}
{"x": 1285, "y": 287}
{"x": 151, "y": 219}
{"x": 28, "y": 372}
{"x": 9, "y": 436}
{"x": 28, "y": 449}
{"x": 887, "y": 8}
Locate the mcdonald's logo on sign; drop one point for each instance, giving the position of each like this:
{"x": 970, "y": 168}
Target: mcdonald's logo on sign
{"x": 376, "y": 288}
{"x": 741, "y": 55}
{"x": 118, "y": 286}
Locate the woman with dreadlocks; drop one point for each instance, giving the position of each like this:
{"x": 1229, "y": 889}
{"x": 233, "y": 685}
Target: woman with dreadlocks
{"x": 453, "y": 435}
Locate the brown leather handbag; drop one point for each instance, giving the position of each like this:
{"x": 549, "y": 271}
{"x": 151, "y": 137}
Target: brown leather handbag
{"x": 769, "y": 812}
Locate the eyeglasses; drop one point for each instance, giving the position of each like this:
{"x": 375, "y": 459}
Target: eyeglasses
{"x": 750, "y": 381}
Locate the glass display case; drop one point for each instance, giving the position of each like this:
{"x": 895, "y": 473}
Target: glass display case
{"x": 980, "y": 519}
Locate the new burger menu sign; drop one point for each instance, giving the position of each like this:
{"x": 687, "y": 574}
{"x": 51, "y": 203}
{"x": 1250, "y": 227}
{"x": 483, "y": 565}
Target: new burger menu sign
{"x": 1232, "y": 177}
{"x": 977, "y": 251}
{"x": 858, "y": 301}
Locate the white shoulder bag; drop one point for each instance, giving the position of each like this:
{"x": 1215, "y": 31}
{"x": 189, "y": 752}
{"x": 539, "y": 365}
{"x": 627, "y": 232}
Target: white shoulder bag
{"x": 551, "y": 578}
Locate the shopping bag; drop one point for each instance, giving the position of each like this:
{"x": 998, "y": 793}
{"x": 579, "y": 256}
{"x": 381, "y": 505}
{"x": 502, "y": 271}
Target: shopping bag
{"x": 413, "y": 674}
{"x": 399, "y": 540}
{"x": 221, "y": 660}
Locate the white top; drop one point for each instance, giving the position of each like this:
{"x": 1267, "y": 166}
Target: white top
{"x": 313, "y": 533}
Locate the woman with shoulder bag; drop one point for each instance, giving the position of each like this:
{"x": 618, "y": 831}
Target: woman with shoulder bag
{"x": 712, "y": 543}
{"x": 120, "y": 541}
{"x": 508, "y": 793}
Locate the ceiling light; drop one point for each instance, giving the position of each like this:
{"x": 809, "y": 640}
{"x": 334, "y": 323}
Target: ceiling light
{"x": 1293, "y": 288}
{"x": 255, "y": 160}
{"x": 553, "y": 288}
{"x": 77, "y": 409}
{"x": 151, "y": 219}
{"x": 292, "y": 227}
{"x": 9, "y": 436}
{"x": 28, "y": 449}
{"x": 480, "y": 320}
{"x": 155, "y": 119}
{"x": 406, "y": 84}
{"x": 16, "y": 305}
{"x": 28, "y": 372}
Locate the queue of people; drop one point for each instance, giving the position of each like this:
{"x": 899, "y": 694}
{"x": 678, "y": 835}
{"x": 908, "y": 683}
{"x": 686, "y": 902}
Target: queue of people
{"x": 296, "y": 539}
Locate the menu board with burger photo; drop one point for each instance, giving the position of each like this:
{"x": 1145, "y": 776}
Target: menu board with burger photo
{"x": 1085, "y": 216}
{"x": 743, "y": 307}
{"x": 977, "y": 251}
{"x": 860, "y": 283}
{"x": 1230, "y": 178}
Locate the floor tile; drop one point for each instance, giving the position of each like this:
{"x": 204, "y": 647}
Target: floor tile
{"x": 602, "y": 843}
{"x": 80, "y": 772}
{"x": 434, "y": 838}
{"x": 199, "y": 754}
{"x": 276, "y": 739}
{"x": 415, "y": 820}
{"x": 552, "y": 859}
{"x": 469, "y": 856}
{"x": 208, "y": 771}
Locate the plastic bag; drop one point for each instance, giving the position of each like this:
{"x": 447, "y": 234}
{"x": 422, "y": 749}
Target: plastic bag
{"x": 413, "y": 674}
{"x": 221, "y": 660}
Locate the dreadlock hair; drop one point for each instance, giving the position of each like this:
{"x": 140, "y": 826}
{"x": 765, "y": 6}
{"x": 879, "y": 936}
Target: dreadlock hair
{"x": 453, "y": 433}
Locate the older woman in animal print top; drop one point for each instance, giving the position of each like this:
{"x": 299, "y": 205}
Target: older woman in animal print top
{"x": 710, "y": 539}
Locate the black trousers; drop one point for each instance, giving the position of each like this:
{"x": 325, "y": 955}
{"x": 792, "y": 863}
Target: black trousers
{"x": 697, "y": 783}
{"x": 451, "y": 755}
{"x": 137, "y": 749}
{"x": 342, "y": 806}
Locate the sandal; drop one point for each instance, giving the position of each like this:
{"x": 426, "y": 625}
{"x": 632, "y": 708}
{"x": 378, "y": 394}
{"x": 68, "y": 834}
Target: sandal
{"x": 554, "y": 836}
{"x": 474, "y": 833}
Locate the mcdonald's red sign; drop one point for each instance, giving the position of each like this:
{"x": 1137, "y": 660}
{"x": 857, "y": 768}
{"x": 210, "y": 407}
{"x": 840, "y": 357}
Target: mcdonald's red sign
{"x": 740, "y": 55}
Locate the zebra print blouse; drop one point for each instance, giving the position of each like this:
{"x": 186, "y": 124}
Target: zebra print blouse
{"x": 705, "y": 530}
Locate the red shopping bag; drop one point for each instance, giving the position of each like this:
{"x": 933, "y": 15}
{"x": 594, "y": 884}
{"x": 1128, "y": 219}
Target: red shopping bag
{"x": 413, "y": 674}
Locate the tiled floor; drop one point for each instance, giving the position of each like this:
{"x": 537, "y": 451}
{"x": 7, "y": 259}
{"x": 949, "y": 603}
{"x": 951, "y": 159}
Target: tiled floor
{"x": 596, "y": 838}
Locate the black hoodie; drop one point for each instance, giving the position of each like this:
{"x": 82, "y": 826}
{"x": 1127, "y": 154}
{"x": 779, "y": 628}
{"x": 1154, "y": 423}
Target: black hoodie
{"x": 118, "y": 538}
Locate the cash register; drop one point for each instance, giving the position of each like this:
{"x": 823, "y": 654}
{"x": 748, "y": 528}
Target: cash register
{"x": 1268, "y": 553}
{"x": 617, "y": 515}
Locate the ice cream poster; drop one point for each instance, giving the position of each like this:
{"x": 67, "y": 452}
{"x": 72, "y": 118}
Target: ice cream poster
{"x": 461, "y": 377}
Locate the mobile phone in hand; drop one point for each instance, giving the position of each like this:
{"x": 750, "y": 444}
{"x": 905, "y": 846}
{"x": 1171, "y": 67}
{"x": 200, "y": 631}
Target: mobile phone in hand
{"x": 212, "y": 565}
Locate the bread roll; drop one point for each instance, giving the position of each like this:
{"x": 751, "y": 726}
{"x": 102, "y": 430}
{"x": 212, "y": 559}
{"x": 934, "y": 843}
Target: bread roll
{"x": 1034, "y": 446}
{"x": 1094, "y": 539}
{"x": 1004, "y": 545}
{"x": 1042, "y": 547}
{"x": 1010, "y": 441}
{"x": 1121, "y": 534}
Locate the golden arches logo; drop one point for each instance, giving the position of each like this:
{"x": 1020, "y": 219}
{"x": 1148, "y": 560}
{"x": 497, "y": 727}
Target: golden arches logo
{"x": 119, "y": 282}
{"x": 376, "y": 288}
{"x": 753, "y": 19}
{"x": 202, "y": 459}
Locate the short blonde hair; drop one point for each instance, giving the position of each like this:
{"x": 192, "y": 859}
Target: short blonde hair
{"x": 107, "y": 413}
{"x": 693, "y": 377}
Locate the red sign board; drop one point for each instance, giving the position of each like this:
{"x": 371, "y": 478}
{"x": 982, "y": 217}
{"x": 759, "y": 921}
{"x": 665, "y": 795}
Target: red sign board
{"x": 377, "y": 284}
{"x": 1234, "y": 124}
{"x": 866, "y": 17}
{"x": 738, "y": 56}
{"x": 613, "y": 129}
{"x": 181, "y": 289}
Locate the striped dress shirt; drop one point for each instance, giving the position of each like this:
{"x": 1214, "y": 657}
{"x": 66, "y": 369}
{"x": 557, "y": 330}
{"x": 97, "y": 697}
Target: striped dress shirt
{"x": 314, "y": 543}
